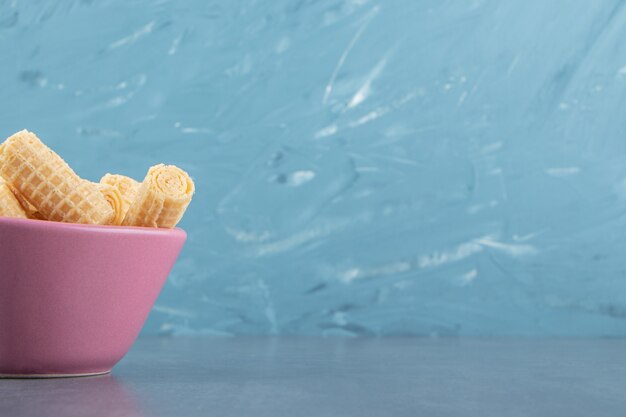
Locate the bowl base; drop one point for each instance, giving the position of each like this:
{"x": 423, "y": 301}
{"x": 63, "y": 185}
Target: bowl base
{"x": 35, "y": 376}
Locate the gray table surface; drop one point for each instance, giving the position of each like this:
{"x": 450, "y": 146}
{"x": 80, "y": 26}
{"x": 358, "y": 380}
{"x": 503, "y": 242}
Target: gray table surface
{"x": 340, "y": 377}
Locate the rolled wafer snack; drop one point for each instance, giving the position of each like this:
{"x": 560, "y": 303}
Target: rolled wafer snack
{"x": 49, "y": 184}
{"x": 31, "y": 211}
{"x": 127, "y": 187}
{"x": 9, "y": 204}
{"x": 162, "y": 198}
{"x": 114, "y": 198}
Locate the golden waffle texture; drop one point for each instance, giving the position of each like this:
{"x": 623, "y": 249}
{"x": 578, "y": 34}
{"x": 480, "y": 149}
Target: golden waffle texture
{"x": 31, "y": 211}
{"x": 114, "y": 198}
{"x": 127, "y": 187}
{"x": 49, "y": 184}
{"x": 9, "y": 204}
{"x": 162, "y": 198}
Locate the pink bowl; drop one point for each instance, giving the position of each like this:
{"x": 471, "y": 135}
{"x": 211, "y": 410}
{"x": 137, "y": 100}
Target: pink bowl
{"x": 73, "y": 298}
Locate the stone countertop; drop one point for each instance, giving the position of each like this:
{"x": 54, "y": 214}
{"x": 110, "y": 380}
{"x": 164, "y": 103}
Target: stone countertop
{"x": 340, "y": 377}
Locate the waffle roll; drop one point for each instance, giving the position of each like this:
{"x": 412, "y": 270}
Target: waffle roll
{"x": 127, "y": 187}
{"x": 48, "y": 183}
{"x": 31, "y": 211}
{"x": 162, "y": 198}
{"x": 9, "y": 204}
{"x": 114, "y": 198}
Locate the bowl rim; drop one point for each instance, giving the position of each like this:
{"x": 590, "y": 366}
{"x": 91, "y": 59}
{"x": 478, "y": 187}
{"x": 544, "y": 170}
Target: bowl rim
{"x": 95, "y": 228}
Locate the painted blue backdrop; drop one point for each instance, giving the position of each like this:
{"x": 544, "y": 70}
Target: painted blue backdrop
{"x": 362, "y": 167}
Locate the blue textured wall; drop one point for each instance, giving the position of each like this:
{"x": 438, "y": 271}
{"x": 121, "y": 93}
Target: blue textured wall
{"x": 401, "y": 167}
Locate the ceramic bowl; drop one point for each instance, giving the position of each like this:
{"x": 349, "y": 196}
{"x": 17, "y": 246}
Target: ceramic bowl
{"x": 73, "y": 298}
